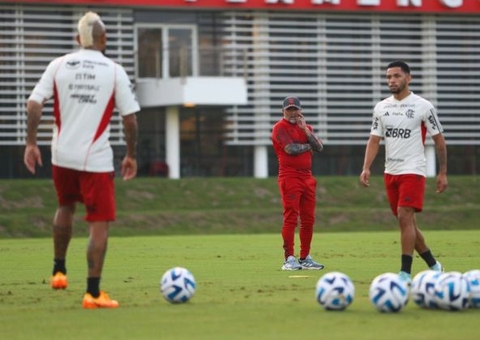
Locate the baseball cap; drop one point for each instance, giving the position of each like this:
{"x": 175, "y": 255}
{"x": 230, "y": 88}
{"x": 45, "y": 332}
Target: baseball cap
{"x": 291, "y": 101}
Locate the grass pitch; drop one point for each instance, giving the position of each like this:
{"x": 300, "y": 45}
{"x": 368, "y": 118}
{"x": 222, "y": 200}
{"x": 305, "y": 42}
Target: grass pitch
{"x": 241, "y": 291}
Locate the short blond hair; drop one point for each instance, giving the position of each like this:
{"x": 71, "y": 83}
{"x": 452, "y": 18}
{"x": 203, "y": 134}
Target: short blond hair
{"x": 85, "y": 28}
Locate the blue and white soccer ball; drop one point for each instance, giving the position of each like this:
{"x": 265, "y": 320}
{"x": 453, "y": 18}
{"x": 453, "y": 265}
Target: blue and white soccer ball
{"x": 452, "y": 291}
{"x": 388, "y": 293}
{"x": 334, "y": 291}
{"x": 177, "y": 285}
{"x": 422, "y": 290}
{"x": 473, "y": 278}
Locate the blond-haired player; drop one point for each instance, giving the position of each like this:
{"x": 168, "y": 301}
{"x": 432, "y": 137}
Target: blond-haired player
{"x": 85, "y": 87}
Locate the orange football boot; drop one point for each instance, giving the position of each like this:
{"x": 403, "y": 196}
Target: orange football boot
{"x": 102, "y": 301}
{"x": 59, "y": 281}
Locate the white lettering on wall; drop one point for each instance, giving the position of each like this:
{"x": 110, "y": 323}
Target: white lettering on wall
{"x": 321, "y": 2}
{"x": 452, "y": 3}
{"x": 288, "y": 2}
{"x": 406, "y": 3}
{"x": 368, "y": 2}
{"x": 371, "y": 3}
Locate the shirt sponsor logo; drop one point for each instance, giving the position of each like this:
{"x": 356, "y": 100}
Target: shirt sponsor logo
{"x": 390, "y": 106}
{"x": 73, "y": 64}
{"x": 432, "y": 121}
{"x": 86, "y": 87}
{"x": 397, "y": 160}
{"x": 90, "y": 64}
{"x": 84, "y": 98}
{"x": 398, "y": 133}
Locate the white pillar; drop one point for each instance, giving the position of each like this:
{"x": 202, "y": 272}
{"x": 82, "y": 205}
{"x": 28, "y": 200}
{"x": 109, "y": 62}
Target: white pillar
{"x": 430, "y": 155}
{"x": 429, "y": 81}
{"x": 261, "y": 96}
{"x": 260, "y": 161}
{"x": 172, "y": 141}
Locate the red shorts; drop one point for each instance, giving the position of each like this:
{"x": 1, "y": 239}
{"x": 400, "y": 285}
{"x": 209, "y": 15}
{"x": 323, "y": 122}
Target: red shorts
{"x": 95, "y": 190}
{"x": 405, "y": 191}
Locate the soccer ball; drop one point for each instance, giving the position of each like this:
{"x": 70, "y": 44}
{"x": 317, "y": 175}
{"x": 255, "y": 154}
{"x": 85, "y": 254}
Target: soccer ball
{"x": 452, "y": 291}
{"x": 388, "y": 293}
{"x": 334, "y": 291}
{"x": 422, "y": 290}
{"x": 177, "y": 285}
{"x": 473, "y": 278}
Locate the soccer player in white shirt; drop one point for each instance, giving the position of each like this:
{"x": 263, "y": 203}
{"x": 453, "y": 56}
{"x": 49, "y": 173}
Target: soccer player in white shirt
{"x": 402, "y": 121}
{"x": 86, "y": 87}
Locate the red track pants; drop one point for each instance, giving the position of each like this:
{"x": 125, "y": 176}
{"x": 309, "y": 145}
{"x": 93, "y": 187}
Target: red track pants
{"x": 299, "y": 200}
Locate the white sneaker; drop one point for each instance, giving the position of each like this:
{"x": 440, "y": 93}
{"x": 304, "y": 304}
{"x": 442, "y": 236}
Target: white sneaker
{"x": 291, "y": 264}
{"x": 308, "y": 263}
{"x": 405, "y": 277}
{"x": 438, "y": 267}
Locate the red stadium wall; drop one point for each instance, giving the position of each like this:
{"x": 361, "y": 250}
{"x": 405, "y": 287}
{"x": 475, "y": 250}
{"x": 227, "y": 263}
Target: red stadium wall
{"x": 416, "y": 6}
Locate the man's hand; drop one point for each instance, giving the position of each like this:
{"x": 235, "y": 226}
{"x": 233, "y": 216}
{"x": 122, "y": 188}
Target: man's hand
{"x": 32, "y": 157}
{"x": 442, "y": 183}
{"x": 129, "y": 168}
{"x": 301, "y": 122}
{"x": 365, "y": 178}
{"x": 315, "y": 142}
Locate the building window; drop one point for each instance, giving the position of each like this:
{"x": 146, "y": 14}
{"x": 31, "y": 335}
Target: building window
{"x": 149, "y": 47}
{"x": 166, "y": 51}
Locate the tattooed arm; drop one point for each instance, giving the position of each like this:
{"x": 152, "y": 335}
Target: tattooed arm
{"x": 289, "y": 146}
{"x": 32, "y": 156}
{"x": 314, "y": 142}
{"x": 296, "y": 149}
{"x": 129, "y": 163}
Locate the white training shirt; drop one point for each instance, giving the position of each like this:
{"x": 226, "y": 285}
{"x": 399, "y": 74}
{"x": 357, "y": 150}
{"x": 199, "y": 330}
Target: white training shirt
{"x": 403, "y": 125}
{"x": 86, "y": 86}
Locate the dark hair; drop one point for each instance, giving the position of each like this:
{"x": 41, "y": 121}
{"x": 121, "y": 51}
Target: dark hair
{"x": 398, "y": 63}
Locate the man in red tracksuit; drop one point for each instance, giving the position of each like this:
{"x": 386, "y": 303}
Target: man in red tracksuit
{"x": 294, "y": 143}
